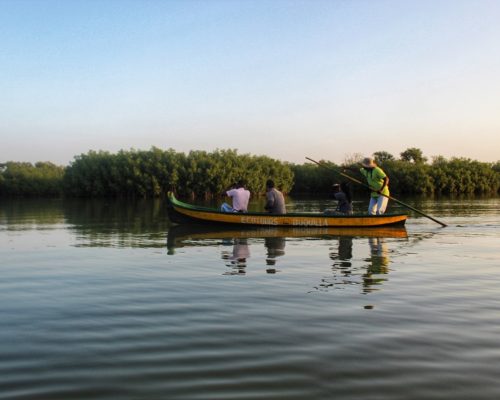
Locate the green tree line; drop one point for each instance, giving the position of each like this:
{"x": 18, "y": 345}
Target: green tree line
{"x": 22, "y": 178}
{"x": 201, "y": 174}
{"x": 410, "y": 174}
{"x": 150, "y": 173}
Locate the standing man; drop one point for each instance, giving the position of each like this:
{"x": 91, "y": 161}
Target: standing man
{"x": 275, "y": 202}
{"x": 240, "y": 197}
{"x": 379, "y": 184}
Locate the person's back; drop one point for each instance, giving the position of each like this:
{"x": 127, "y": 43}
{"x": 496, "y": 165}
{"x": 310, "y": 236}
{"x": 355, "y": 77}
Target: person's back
{"x": 240, "y": 197}
{"x": 344, "y": 206}
{"x": 344, "y": 198}
{"x": 275, "y": 202}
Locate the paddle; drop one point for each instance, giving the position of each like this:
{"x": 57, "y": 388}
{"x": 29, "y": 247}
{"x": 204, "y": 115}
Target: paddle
{"x": 389, "y": 197}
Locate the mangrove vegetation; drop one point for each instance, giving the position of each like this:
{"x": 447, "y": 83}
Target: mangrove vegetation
{"x": 202, "y": 174}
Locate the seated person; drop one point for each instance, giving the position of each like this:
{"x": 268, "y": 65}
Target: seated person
{"x": 275, "y": 202}
{"x": 240, "y": 197}
{"x": 342, "y": 194}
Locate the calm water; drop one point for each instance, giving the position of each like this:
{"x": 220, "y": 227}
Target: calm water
{"x": 104, "y": 300}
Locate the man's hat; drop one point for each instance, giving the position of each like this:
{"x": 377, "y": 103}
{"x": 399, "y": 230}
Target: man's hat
{"x": 368, "y": 163}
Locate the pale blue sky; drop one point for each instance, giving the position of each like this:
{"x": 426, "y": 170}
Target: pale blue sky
{"x": 287, "y": 79}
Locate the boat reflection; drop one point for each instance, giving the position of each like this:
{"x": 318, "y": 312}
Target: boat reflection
{"x": 192, "y": 235}
{"x": 236, "y": 243}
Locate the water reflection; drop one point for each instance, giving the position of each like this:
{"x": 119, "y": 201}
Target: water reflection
{"x": 366, "y": 268}
{"x": 344, "y": 253}
{"x": 237, "y": 257}
{"x": 341, "y": 255}
{"x": 117, "y": 223}
{"x": 275, "y": 247}
{"x": 358, "y": 256}
{"x": 368, "y": 272}
{"x": 378, "y": 264}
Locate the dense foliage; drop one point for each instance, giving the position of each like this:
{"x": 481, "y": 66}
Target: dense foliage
{"x": 40, "y": 179}
{"x": 411, "y": 174}
{"x": 150, "y": 173}
{"x": 153, "y": 172}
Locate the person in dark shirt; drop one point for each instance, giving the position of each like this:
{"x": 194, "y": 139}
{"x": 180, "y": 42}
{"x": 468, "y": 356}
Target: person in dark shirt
{"x": 342, "y": 193}
{"x": 275, "y": 202}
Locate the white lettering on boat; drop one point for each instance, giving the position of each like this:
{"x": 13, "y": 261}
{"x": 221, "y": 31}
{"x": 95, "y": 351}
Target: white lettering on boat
{"x": 310, "y": 222}
{"x": 259, "y": 220}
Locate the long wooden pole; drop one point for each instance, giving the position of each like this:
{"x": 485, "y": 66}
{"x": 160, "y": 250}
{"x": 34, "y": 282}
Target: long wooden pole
{"x": 389, "y": 197}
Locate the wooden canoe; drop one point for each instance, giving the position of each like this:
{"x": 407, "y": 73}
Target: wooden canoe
{"x": 180, "y": 212}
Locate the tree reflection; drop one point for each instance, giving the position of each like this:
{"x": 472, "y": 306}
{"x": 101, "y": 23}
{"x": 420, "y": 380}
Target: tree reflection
{"x": 93, "y": 222}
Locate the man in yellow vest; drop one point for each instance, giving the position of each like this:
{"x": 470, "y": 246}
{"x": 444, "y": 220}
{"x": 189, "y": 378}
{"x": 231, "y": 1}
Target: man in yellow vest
{"x": 379, "y": 184}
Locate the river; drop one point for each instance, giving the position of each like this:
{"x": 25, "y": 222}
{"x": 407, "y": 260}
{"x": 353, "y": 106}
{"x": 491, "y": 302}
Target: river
{"x": 104, "y": 299}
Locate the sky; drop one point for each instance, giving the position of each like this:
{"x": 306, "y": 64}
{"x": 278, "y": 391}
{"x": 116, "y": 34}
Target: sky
{"x": 287, "y": 79}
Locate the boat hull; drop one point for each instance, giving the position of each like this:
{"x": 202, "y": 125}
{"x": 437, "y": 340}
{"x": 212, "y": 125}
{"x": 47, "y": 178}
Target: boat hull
{"x": 180, "y": 212}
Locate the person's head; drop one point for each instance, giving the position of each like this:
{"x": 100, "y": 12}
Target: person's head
{"x": 241, "y": 183}
{"x": 336, "y": 188}
{"x": 269, "y": 184}
{"x": 368, "y": 163}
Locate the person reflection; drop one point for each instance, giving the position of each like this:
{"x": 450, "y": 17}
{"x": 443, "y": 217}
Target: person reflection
{"x": 342, "y": 265}
{"x": 275, "y": 248}
{"x": 344, "y": 254}
{"x": 237, "y": 259}
{"x": 378, "y": 264}
{"x": 346, "y": 271}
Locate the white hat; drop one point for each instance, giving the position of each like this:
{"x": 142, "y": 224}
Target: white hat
{"x": 368, "y": 163}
